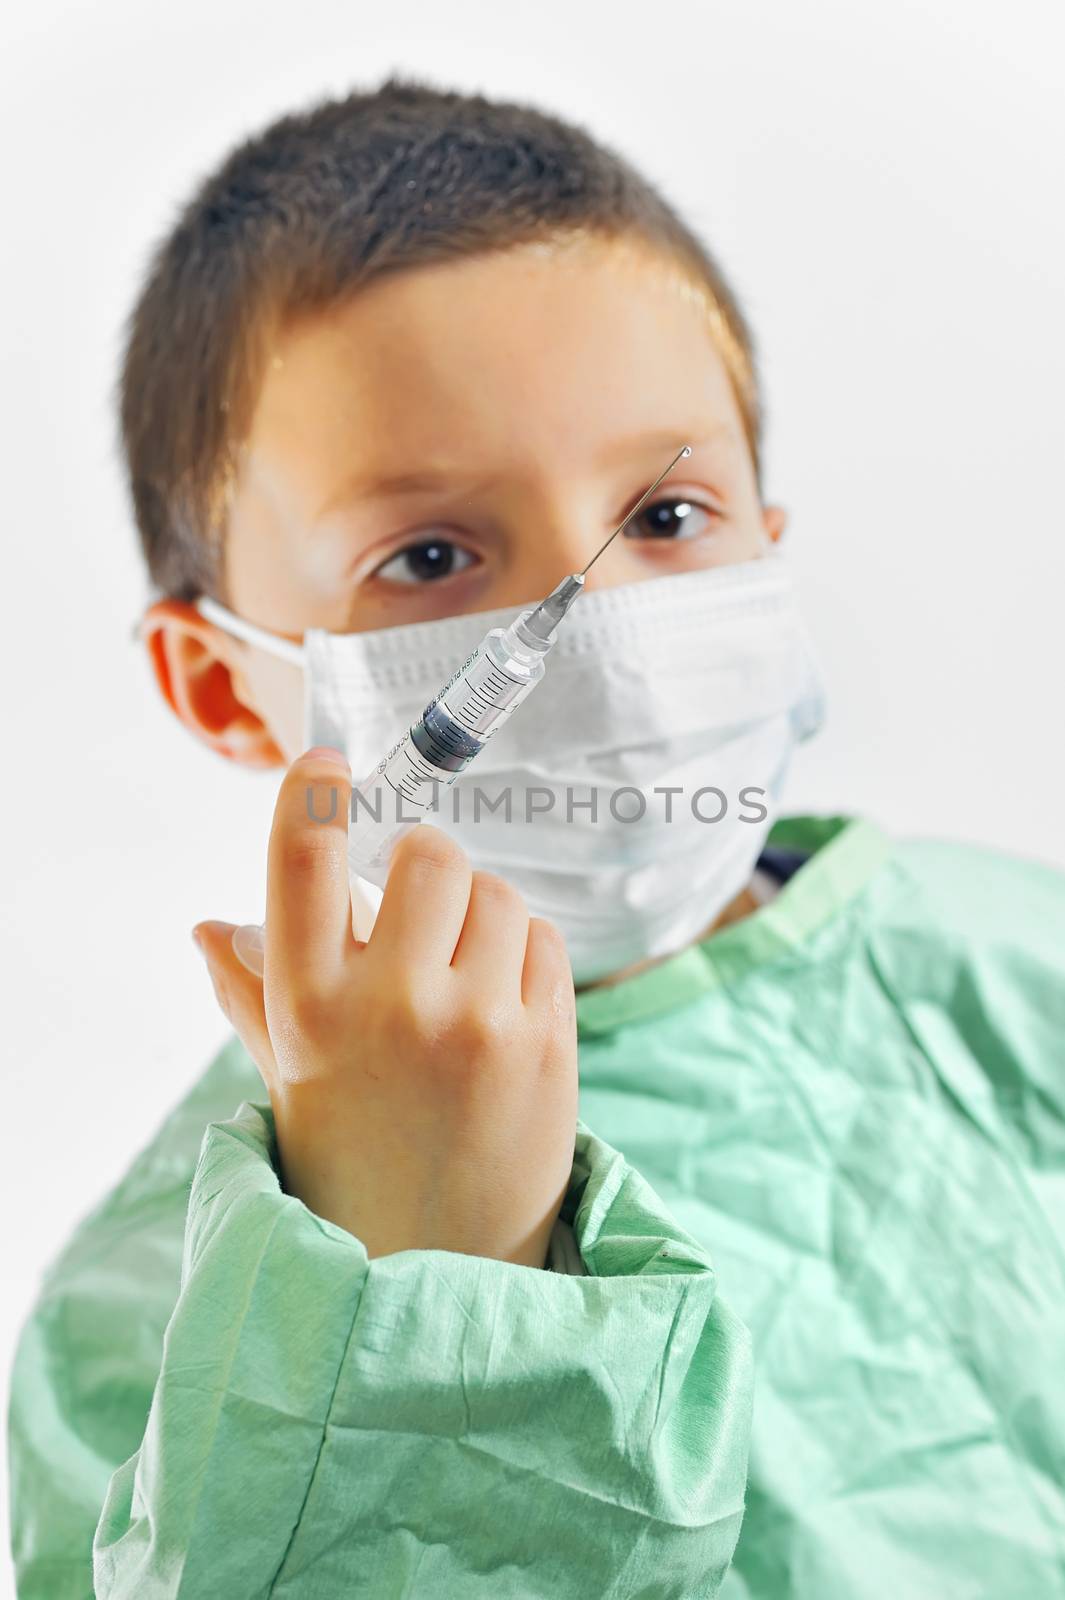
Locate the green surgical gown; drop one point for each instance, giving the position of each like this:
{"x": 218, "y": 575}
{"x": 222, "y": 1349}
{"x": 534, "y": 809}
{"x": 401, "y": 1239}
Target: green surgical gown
{"x": 835, "y": 1127}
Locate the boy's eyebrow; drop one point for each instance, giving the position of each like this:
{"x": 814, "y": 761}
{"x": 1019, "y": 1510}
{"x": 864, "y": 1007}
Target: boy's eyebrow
{"x": 665, "y": 440}
{"x": 426, "y": 479}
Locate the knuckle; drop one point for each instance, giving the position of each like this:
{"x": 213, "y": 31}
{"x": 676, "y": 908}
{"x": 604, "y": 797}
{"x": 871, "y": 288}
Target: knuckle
{"x": 554, "y": 1031}
{"x": 310, "y": 1008}
{"x": 304, "y": 854}
{"x": 499, "y": 893}
{"x": 478, "y": 1031}
{"x": 412, "y": 1013}
{"x": 432, "y": 849}
{"x": 406, "y": 1009}
{"x": 548, "y": 941}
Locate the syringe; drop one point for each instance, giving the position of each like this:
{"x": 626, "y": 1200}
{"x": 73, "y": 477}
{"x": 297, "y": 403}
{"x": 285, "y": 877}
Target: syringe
{"x": 479, "y": 697}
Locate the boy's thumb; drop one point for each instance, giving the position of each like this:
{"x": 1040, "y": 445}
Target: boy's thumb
{"x": 239, "y": 992}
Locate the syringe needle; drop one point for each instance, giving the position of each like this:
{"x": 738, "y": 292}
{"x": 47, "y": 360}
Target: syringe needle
{"x": 687, "y": 450}
{"x": 543, "y": 620}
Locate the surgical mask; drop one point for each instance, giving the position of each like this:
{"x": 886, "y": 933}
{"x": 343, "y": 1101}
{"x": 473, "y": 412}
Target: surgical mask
{"x": 630, "y": 796}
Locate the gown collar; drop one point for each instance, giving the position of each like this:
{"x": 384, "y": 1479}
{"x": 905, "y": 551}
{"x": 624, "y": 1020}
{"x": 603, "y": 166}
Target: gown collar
{"x": 845, "y": 852}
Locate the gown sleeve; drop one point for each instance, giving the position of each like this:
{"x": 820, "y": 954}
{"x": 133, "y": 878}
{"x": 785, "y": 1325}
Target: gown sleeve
{"x": 429, "y": 1422}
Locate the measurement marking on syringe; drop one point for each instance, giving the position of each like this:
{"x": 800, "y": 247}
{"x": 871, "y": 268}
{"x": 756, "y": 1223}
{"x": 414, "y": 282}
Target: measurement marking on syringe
{"x": 407, "y": 794}
{"x": 478, "y": 693}
{"x": 490, "y": 693}
{"x": 450, "y": 744}
{"x": 495, "y": 681}
{"x": 421, "y": 768}
{"x": 473, "y": 708}
{"x": 479, "y": 705}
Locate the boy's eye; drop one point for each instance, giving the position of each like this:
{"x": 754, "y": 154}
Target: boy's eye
{"x": 424, "y": 562}
{"x": 674, "y": 518}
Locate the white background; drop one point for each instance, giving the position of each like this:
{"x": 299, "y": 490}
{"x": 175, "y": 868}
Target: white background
{"x": 882, "y": 183}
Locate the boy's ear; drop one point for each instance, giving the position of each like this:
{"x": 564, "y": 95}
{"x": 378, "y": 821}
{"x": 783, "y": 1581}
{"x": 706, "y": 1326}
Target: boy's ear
{"x": 198, "y": 670}
{"x": 774, "y": 520}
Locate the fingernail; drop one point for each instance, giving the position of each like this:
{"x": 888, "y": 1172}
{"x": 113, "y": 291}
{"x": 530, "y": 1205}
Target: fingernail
{"x": 197, "y": 941}
{"x": 249, "y": 947}
{"x": 325, "y": 752}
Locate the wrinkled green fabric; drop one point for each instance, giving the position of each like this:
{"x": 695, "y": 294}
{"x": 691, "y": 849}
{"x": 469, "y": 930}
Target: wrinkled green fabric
{"x": 316, "y": 1424}
{"x": 853, "y": 1099}
{"x": 857, "y": 1095}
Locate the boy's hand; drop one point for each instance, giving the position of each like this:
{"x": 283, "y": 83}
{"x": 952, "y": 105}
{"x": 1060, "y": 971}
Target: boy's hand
{"x": 424, "y": 1083}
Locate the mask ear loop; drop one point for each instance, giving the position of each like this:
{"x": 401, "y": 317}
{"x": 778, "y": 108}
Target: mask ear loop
{"x": 250, "y": 632}
{"x": 766, "y": 545}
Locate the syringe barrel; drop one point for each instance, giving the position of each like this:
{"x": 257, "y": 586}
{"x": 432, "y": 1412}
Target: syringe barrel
{"x": 453, "y": 729}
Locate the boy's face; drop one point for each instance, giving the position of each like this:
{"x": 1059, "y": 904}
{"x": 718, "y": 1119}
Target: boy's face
{"x": 519, "y": 404}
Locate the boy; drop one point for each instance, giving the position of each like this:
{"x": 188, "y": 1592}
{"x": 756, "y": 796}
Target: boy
{"x": 412, "y": 1328}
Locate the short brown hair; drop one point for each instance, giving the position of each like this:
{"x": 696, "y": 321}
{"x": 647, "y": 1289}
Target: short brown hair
{"x": 304, "y": 213}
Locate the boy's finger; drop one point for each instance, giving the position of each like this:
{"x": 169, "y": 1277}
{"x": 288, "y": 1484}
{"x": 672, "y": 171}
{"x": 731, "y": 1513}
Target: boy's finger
{"x": 491, "y": 949}
{"x": 308, "y": 902}
{"x": 547, "y": 977}
{"x": 425, "y": 900}
{"x": 239, "y": 993}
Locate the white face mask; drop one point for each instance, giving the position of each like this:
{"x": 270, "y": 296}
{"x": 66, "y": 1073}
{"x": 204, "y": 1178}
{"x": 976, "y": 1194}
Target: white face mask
{"x": 700, "y": 682}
